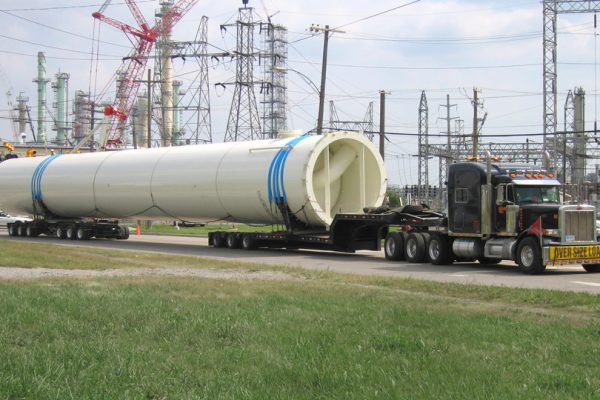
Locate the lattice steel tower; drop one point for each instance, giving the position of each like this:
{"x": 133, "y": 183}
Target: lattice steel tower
{"x": 366, "y": 125}
{"x": 551, "y": 10}
{"x": 244, "y": 122}
{"x": 423, "y": 169}
{"x": 274, "y": 88}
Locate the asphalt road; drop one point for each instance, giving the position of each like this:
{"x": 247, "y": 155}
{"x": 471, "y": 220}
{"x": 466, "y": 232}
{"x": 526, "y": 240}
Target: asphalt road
{"x": 570, "y": 278}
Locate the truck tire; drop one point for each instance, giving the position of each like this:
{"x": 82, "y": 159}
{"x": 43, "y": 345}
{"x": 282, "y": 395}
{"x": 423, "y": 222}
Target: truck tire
{"x": 232, "y": 240}
{"x": 414, "y": 247}
{"x": 248, "y": 241}
{"x": 438, "y": 250}
{"x": 12, "y": 230}
{"x": 529, "y": 256}
{"x": 31, "y": 230}
{"x": 21, "y": 229}
{"x": 123, "y": 232}
{"x": 393, "y": 247}
{"x": 61, "y": 232}
{"x": 83, "y": 234}
{"x": 218, "y": 240}
{"x": 71, "y": 232}
{"x": 592, "y": 268}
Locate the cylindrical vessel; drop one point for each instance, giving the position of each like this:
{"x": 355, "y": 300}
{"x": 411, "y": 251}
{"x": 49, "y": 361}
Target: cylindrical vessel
{"x": 315, "y": 177}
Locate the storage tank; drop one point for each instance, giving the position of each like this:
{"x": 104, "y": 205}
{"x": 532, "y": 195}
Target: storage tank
{"x": 316, "y": 177}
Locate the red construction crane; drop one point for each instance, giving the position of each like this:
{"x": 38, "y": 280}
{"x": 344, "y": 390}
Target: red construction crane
{"x": 143, "y": 38}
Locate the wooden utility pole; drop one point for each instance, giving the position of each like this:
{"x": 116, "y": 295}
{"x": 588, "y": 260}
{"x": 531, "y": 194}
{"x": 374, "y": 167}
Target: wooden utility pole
{"x": 326, "y": 30}
{"x": 475, "y": 123}
{"x": 382, "y": 123}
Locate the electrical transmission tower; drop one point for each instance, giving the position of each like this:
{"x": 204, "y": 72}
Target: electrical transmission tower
{"x": 196, "y": 126}
{"x": 423, "y": 169}
{"x": 274, "y": 88}
{"x": 243, "y": 122}
{"x": 366, "y": 125}
{"x": 551, "y": 10}
{"x": 446, "y": 154}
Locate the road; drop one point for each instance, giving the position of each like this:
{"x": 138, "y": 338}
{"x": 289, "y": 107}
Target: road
{"x": 361, "y": 263}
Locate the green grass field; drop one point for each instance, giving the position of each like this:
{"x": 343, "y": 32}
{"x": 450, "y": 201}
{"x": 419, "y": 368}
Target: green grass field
{"x": 325, "y": 336}
{"x": 204, "y": 230}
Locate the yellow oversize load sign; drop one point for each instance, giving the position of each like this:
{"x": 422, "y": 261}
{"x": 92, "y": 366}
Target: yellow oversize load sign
{"x": 574, "y": 252}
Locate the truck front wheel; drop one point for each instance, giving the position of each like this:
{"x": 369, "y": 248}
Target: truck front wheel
{"x": 529, "y": 256}
{"x": 394, "y": 247}
{"x": 438, "y": 250}
{"x": 414, "y": 248}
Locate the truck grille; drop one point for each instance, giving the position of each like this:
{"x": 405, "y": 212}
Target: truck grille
{"x": 580, "y": 224}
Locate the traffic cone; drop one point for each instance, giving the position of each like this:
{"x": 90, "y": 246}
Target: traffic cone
{"x": 137, "y": 231}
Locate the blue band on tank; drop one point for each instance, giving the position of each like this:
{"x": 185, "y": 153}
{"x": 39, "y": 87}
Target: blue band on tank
{"x": 36, "y": 179}
{"x": 276, "y": 189}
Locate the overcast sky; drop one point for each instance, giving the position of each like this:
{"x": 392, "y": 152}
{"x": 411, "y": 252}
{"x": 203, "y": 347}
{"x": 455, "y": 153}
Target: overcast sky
{"x": 440, "y": 46}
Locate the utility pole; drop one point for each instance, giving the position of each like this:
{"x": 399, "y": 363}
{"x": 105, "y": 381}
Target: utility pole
{"x": 149, "y": 116}
{"x": 382, "y": 123}
{"x": 327, "y": 30}
{"x": 476, "y": 122}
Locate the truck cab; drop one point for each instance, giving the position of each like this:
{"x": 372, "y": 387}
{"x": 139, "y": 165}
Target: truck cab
{"x": 514, "y": 212}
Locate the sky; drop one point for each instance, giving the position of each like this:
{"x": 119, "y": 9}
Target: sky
{"x": 444, "y": 47}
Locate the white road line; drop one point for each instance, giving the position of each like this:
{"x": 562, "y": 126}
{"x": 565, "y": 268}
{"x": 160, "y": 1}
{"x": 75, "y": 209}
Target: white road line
{"x": 587, "y": 283}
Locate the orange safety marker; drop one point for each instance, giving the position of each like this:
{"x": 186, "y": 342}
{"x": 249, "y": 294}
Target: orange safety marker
{"x": 137, "y": 231}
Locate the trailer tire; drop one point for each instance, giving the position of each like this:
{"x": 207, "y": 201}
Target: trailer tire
{"x": 83, "y": 234}
{"x": 21, "y": 229}
{"x": 61, "y": 232}
{"x": 123, "y": 232}
{"x": 248, "y": 242}
{"x": 232, "y": 240}
{"x": 438, "y": 250}
{"x": 529, "y": 256}
{"x": 12, "y": 230}
{"x": 393, "y": 247}
{"x": 592, "y": 268}
{"x": 218, "y": 240}
{"x": 71, "y": 232}
{"x": 414, "y": 247}
{"x": 31, "y": 230}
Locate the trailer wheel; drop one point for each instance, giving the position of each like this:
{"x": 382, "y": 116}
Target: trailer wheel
{"x": 393, "y": 247}
{"x": 31, "y": 230}
{"x": 61, "y": 232}
{"x": 21, "y": 229}
{"x": 218, "y": 240}
{"x": 83, "y": 234}
{"x": 414, "y": 248}
{"x": 123, "y": 232}
{"x": 593, "y": 268}
{"x": 12, "y": 230}
{"x": 232, "y": 240}
{"x": 529, "y": 256}
{"x": 71, "y": 232}
{"x": 248, "y": 241}
{"x": 438, "y": 250}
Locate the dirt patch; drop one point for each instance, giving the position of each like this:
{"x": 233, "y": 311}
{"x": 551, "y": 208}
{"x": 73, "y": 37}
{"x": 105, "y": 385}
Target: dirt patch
{"x": 38, "y": 273}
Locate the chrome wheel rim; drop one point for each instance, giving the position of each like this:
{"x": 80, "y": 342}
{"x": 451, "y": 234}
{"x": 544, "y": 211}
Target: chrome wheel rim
{"x": 411, "y": 248}
{"x": 527, "y": 256}
{"x": 390, "y": 246}
{"x": 434, "y": 249}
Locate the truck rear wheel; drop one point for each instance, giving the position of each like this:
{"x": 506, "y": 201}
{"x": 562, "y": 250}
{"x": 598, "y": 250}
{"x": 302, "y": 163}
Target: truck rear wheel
{"x": 438, "y": 250}
{"x": 12, "y": 230}
{"x": 393, "y": 247}
{"x": 593, "y": 268}
{"x": 21, "y": 229}
{"x": 233, "y": 241}
{"x": 61, "y": 232}
{"x": 123, "y": 232}
{"x": 31, "y": 230}
{"x": 218, "y": 240}
{"x": 529, "y": 256}
{"x": 414, "y": 247}
{"x": 71, "y": 232}
{"x": 248, "y": 241}
{"x": 83, "y": 234}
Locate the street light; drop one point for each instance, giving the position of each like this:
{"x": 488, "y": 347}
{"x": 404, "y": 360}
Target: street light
{"x": 311, "y": 84}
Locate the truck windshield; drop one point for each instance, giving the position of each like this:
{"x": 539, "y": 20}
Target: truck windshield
{"x": 536, "y": 194}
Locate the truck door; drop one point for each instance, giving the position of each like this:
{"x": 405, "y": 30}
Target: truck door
{"x": 464, "y": 208}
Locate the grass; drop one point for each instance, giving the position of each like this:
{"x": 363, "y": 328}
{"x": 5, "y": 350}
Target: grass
{"x": 326, "y": 337}
{"x": 204, "y": 230}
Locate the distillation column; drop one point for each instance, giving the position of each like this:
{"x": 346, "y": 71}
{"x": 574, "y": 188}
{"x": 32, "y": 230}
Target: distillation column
{"x": 41, "y": 100}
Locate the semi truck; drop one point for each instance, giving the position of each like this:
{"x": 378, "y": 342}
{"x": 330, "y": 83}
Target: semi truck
{"x": 325, "y": 191}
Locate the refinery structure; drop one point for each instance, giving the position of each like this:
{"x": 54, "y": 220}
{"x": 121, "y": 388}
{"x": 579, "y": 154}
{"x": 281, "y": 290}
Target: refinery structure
{"x": 145, "y": 105}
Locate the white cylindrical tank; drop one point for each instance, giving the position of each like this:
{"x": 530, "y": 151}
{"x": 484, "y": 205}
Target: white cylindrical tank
{"x": 315, "y": 176}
